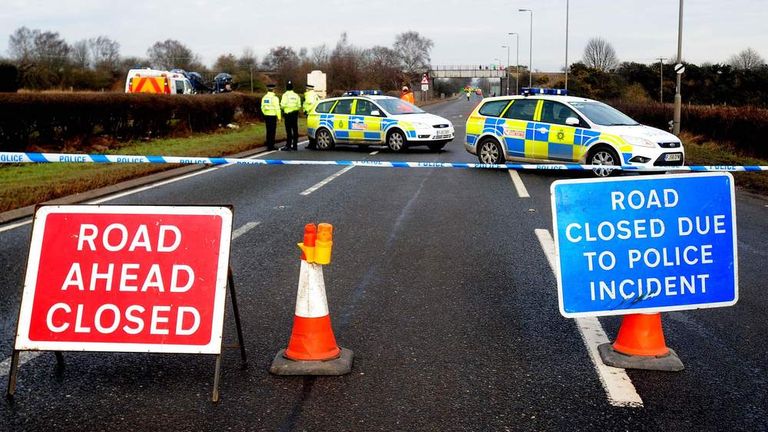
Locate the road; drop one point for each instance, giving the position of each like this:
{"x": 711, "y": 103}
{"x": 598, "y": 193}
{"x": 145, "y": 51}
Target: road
{"x": 441, "y": 285}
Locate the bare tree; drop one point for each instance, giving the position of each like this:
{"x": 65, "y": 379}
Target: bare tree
{"x": 21, "y": 44}
{"x": 79, "y": 54}
{"x": 600, "y": 55}
{"x": 320, "y": 56}
{"x": 105, "y": 53}
{"x": 413, "y": 50}
{"x": 344, "y": 65}
{"x": 171, "y": 54}
{"x": 382, "y": 68}
{"x": 284, "y": 61}
{"x": 747, "y": 59}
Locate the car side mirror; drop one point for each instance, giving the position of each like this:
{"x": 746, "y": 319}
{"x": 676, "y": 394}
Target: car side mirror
{"x": 572, "y": 121}
{"x": 376, "y": 113}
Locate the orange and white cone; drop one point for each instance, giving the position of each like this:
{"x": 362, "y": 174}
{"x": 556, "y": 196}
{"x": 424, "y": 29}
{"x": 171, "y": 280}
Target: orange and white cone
{"x": 640, "y": 345}
{"x": 312, "y": 348}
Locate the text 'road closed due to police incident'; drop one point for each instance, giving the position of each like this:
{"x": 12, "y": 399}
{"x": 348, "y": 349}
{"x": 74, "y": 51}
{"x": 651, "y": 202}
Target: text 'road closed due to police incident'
{"x": 645, "y": 244}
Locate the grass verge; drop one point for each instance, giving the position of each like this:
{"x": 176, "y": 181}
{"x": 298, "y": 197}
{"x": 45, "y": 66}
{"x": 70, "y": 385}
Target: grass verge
{"x": 26, "y": 184}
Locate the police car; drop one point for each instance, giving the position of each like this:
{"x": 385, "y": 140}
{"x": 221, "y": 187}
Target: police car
{"x": 369, "y": 118}
{"x": 547, "y": 125}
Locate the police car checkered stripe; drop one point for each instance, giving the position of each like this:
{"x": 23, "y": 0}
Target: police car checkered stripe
{"x": 17, "y": 157}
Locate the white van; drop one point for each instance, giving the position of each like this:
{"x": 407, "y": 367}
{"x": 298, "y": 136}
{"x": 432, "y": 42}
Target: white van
{"x": 157, "y": 81}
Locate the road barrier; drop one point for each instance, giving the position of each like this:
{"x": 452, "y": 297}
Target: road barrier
{"x": 312, "y": 348}
{"x": 17, "y": 157}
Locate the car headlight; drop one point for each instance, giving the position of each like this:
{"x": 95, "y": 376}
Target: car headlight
{"x": 639, "y": 141}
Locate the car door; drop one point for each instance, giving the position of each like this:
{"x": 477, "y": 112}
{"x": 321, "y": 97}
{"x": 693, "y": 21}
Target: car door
{"x": 532, "y": 143}
{"x": 341, "y": 114}
{"x": 364, "y": 126}
{"x": 562, "y": 137}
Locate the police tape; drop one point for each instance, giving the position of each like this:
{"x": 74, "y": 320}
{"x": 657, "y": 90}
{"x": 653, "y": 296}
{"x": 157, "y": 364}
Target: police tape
{"x": 27, "y": 157}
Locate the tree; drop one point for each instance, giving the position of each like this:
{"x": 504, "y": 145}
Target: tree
{"x": 413, "y": 51}
{"x": 747, "y": 59}
{"x": 345, "y": 65}
{"x": 600, "y": 55}
{"x": 105, "y": 53}
{"x": 42, "y": 57}
{"x": 79, "y": 54}
{"x": 381, "y": 65}
{"x": 172, "y": 54}
{"x": 284, "y": 61}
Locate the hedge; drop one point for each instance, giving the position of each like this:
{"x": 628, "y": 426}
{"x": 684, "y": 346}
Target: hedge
{"x": 746, "y": 128}
{"x": 69, "y": 119}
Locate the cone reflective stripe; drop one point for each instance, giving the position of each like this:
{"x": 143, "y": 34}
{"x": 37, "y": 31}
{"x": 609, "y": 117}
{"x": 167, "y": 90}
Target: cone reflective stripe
{"x": 641, "y": 334}
{"x": 312, "y": 336}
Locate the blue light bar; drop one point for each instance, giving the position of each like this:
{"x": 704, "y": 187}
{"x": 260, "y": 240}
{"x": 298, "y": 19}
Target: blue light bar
{"x": 362, "y": 92}
{"x": 545, "y": 91}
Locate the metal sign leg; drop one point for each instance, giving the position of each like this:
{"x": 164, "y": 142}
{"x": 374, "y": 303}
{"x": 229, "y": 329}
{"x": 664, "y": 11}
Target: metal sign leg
{"x": 216, "y": 376}
{"x": 233, "y": 295}
{"x": 12, "y": 376}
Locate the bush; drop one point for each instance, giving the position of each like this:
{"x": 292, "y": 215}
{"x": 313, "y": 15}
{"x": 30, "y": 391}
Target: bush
{"x": 744, "y": 127}
{"x": 9, "y": 78}
{"x": 59, "y": 119}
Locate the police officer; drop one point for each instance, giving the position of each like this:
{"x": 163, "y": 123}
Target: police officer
{"x": 270, "y": 108}
{"x": 310, "y": 100}
{"x": 291, "y": 104}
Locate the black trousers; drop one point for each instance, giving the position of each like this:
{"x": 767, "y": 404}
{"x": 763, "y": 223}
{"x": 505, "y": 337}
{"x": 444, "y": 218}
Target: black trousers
{"x": 292, "y": 130}
{"x": 271, "y": 123}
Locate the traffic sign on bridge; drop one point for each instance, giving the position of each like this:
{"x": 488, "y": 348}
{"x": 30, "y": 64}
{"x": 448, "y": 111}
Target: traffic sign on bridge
{"x": 641, "y": 245}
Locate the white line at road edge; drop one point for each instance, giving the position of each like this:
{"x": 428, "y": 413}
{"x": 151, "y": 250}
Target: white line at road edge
{"x": 618, "y": 387}
{"x": 26, "y": 356}
{"x": 326, "y": 181}
{"x": 522, "y": 192}
{"x": 373, "y": 153}
{"x": 143, "y": 188}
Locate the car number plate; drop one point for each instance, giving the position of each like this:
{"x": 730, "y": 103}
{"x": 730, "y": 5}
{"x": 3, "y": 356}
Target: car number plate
{"x": 672, "y": 157}
{"x": 441, "y": 134}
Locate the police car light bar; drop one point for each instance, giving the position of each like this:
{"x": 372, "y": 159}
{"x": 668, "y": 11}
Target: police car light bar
{"x": 362, "y": 92}
{"x": 545, "y": 91}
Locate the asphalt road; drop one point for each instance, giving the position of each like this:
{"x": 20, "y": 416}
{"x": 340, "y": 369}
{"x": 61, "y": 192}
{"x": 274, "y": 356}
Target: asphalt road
{"x": 441, "y": 287}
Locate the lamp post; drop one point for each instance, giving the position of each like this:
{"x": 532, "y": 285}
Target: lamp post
{"x": 507, "y": 69}
{"x": 530, "y": 50}
{"x": 517, "y": 61}
{"x": 678, "y": 97}
{"x": 661, "y": 79}
{"x": 567, "y": 5}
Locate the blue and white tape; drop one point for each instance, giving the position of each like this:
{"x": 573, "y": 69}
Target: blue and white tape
{"x": 18, "y": 157}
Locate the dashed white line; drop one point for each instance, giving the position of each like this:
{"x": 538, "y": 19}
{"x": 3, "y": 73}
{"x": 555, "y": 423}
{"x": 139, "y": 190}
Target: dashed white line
{"x": 374, "y": 153}
{"x": 522, "y": 192}
{"x": 244, "y": 229}
{"x": 616, "y": 383}
{"x": 326, "y": 181}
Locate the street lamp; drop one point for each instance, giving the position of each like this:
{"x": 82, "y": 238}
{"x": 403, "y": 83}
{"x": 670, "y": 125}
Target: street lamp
{"x": 507, "y": 69}
{"x": 517, "y": 62}
{"x": 489, "y": 81}
{"x": 678, "y": 97}
{"x": 567, "y": 4}
{"x": 530, "y": 50}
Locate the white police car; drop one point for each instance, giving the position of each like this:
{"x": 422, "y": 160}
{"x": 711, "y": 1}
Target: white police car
{"x": 546, "y": 125}
{"x": 363, "y": 118}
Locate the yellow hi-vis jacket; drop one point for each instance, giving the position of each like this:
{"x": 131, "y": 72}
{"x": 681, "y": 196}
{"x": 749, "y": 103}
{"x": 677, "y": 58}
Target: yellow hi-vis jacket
{"x": 310, "y": 100}
{"x": 290, "y": 102}
{"x": 270, "y": 105}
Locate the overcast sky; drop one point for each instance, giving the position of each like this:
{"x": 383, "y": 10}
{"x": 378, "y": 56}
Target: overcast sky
{"x": 464, "y": 32}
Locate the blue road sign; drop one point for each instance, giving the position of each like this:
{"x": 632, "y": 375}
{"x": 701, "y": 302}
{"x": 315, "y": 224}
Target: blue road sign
{"x": 645, "y": 244}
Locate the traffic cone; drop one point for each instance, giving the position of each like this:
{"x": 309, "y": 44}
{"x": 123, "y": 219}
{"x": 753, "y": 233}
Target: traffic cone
{"x": 640, "y": 345}
{"x": 312, "y": 348}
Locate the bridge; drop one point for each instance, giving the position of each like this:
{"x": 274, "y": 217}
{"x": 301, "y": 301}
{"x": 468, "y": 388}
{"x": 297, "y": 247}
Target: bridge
{"x": 467, "y": 71}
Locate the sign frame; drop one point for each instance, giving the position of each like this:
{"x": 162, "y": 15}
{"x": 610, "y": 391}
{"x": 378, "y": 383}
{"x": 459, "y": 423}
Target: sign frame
{"x": 693, "y": 306}
{"x": 223, "y": 282}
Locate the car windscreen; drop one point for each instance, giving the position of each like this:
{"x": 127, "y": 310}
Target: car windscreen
{"x": 602, "y": 114}
{"x": 397, "y": 106}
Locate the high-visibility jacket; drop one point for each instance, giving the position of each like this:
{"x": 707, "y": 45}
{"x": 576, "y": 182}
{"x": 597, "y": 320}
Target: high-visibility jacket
{"x": 310, "y": 100}
{"x": 290, "y": 102}
{"x": 408, "y": 97}
{"x": 270, "y": 105}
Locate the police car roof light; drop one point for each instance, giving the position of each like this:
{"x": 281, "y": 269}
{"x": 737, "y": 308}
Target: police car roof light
{"x": 362, "y": 92}
{"x": 545, "y": 91}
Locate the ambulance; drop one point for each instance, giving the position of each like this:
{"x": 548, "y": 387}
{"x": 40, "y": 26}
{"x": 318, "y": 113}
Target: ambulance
{"x": 547, "y": 125}
{"x": 157, "y": 81}
{"x": 369, "y": 118}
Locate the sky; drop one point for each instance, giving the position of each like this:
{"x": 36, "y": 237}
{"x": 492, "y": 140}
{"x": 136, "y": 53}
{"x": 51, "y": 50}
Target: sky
{"x": 464, "y": 32}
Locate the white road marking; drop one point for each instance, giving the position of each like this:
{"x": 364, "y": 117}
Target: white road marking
{"x": 374, "y": 153}
{"x": 327, "y": 180}
{"x": 26, "y": 356}
{"x": 617, "y": 384}
{"x": 522, "y": 192}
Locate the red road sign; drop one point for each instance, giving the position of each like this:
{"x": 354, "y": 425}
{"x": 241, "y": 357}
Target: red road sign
{"x": 126, "y": 279}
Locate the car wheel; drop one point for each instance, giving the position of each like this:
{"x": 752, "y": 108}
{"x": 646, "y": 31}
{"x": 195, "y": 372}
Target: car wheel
{"x": 436, "y": 146}
{"x": 396, "y": 141}
{"x": 604, "y": 156}
{"x": 489, "y": 152}
{"x": 324, "y": 140}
